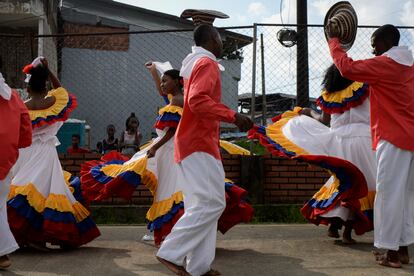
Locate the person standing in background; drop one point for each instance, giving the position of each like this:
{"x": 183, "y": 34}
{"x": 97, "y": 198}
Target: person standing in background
{"x": 131, "y": 137}
{"x": 110, "y": 143}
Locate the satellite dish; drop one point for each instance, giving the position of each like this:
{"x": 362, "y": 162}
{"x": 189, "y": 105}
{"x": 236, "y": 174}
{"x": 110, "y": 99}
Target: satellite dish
{"x": 287, "y": 37}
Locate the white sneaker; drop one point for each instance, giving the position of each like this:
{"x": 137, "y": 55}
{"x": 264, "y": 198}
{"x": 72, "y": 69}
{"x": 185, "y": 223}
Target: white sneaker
{"x": 148, "y": 237}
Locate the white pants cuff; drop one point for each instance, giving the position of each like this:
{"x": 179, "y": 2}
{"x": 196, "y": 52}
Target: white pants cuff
{"x": 7, "y": 242}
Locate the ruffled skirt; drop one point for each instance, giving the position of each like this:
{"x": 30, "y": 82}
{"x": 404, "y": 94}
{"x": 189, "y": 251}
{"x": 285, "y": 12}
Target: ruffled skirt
{"x": 114, "y": 176}
{"x": 349, "y": 159}
{"x": 41, "y": 207}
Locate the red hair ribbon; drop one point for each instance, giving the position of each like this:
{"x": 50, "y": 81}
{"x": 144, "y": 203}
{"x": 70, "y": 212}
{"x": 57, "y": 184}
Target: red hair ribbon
{"x": 182, "y": 81}
{"x": 27, "y": 69}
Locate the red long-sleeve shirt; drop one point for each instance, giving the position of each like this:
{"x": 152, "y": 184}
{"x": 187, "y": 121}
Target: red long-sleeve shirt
{"x": 391, "y": 95}
{"x": 198, "y": 130}
{"x": 15, "y": 131}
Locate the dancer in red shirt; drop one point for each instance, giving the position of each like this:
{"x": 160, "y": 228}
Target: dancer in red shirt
{"x": 391, "y": 78}
{"x": 15, "y": 133}
{"x": 200, "y": 171}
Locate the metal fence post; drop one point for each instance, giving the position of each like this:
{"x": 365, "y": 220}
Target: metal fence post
{"x": 302, "y": 63}
{"x": 253, "y": 99}
{"x": 264, "y": 102}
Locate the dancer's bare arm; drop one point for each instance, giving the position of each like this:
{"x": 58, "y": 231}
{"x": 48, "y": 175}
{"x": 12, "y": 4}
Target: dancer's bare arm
{"x": 53, "y": 79}
{"x": 170, "y": 134}
{"x": 157, "y": 80}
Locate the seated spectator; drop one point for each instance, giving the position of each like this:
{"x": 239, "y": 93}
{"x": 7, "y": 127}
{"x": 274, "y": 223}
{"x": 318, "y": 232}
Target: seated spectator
{"x": 75, "y": 145}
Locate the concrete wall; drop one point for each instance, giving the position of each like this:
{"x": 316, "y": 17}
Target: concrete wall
{"x": 26, "y": 18}
{"x": 21, "y": 7}
{"x": 47, "y": 47}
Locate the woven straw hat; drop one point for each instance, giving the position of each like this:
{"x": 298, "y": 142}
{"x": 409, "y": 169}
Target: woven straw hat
{"x": 344, "y": 15}
{"x": 203, "y": 16}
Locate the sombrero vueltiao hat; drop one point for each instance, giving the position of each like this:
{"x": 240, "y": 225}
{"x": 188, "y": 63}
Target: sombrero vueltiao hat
{"x": 344, "y": 15}
{"x": 203, "y": 16}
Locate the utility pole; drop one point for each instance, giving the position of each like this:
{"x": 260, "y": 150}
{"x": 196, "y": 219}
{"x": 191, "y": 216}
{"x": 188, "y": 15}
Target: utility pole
{"x": 302, "y": 63}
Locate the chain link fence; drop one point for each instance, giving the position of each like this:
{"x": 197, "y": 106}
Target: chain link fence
{"x": 106, "y": 71}
{"x": 107, "y": 74}
{"x": 277, "y": 71}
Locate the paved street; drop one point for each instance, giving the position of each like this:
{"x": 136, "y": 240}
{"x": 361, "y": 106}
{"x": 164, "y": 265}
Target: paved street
{"x": 291, "y": 249}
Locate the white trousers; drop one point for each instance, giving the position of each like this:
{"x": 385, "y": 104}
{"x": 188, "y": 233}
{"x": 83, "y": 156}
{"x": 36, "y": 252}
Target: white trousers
{"x": 193, "y": 237}
{"x": 394, "y": 201}
{"x": 7, "y": 242}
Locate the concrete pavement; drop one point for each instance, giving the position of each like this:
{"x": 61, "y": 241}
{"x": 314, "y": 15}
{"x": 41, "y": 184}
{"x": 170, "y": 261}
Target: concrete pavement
{"x": 288, "y": 249}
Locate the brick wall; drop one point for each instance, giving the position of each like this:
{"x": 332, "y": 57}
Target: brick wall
{"x": 72, "y": 163}
{"x": 232, "y": 166}
{"x": 99, "y": 42}
{"x": 282, "y": 180}
{"x": 289, "y": 181}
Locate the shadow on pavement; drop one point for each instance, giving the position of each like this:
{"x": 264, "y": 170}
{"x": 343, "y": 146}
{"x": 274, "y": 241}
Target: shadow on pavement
{"x": 81, "y": 261}
{"x": 252, "y": 262}
{"x": 360, "y": 246}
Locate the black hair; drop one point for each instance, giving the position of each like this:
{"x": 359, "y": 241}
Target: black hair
{"x": 387, "y": 33}
{"x": 203, "y": 33}
{"x": 39, "y": 76}
{"x": 99, "y": 146}
{"x": 76, "y": 136}
{"x": 333, "y": 80}
{"x": 175, "y": 75}
{"x": 132, "y": 116}
{"x": 110, "y": 126}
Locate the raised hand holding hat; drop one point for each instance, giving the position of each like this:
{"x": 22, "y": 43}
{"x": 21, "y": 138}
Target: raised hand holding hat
{"x": 341, "y": 21}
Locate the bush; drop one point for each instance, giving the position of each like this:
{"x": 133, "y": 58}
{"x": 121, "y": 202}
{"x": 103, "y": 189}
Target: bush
{"x": 258, "y": 149}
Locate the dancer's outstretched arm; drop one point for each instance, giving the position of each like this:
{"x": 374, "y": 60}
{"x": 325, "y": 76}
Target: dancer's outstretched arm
{"x": 157, "y": 80}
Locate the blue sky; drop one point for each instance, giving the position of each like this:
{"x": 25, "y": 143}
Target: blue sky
{"x": 246, "y": 12}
